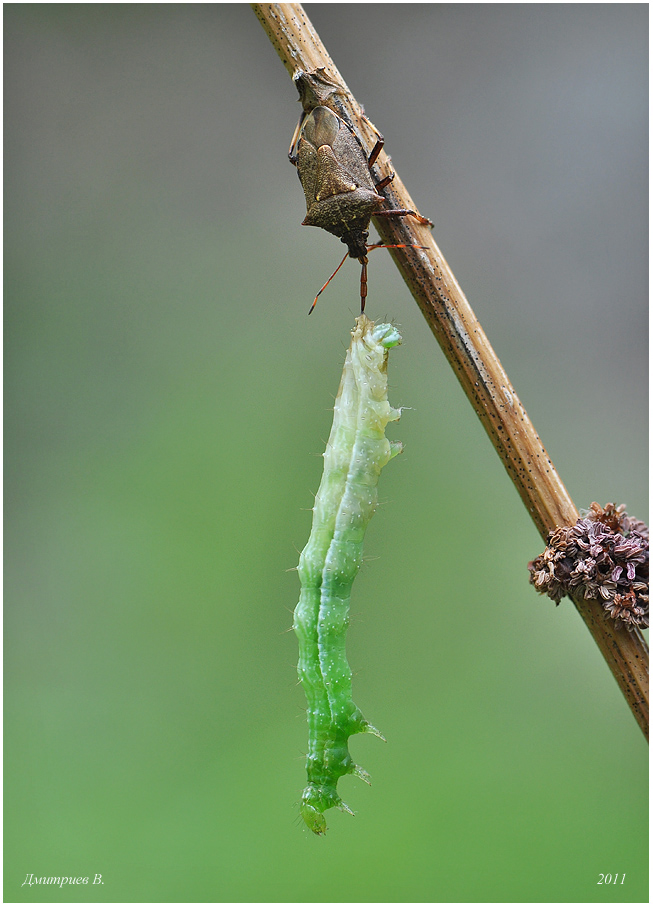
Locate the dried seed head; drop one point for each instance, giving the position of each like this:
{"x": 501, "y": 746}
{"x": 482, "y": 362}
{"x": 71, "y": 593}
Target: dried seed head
{"x": 603, "y": 556}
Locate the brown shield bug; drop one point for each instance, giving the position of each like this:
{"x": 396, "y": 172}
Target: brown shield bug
{"x": 341, "y": 196}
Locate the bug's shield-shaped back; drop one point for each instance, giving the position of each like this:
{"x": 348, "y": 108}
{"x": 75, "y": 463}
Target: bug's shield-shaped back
{"x": 332, "y": 166}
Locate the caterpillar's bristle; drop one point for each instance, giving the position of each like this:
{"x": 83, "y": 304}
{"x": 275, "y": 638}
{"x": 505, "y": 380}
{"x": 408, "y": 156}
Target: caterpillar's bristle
{"x": 342, "y": 806}
{"x": 370, "y": 729}
{"x": 362, "y": 774}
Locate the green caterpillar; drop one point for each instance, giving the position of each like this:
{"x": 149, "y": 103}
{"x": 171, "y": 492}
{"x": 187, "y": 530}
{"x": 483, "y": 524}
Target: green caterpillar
{"x": 356, "y": 452}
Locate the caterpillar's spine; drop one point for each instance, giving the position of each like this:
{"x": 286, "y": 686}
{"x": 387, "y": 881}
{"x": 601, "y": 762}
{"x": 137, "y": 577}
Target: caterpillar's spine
{"x": 356, "y": 452}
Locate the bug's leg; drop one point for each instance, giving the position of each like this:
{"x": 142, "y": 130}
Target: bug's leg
{"x": 376, "y": 151}
{"x": 403, "y": 245}
{"x": 404, "y": 212}
{"x": 292, "y": 151}
{"x": 329, "y": 281}
{"x": 380, "y": 142}
{"x": 384, "y": 182}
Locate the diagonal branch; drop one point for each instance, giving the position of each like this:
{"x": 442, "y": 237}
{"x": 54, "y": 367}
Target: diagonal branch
{"x": 467, "y": 349}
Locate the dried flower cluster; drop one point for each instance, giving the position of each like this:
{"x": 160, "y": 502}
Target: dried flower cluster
{"x": 604, "y": 556}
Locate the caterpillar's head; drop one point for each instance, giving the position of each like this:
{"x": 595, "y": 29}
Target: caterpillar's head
{"x": 316, "y": 799}
{"x": 313, "y": 818}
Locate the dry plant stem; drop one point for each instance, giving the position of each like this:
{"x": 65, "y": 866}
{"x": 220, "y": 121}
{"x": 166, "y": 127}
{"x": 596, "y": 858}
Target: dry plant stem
{"x": 468, "y": 350}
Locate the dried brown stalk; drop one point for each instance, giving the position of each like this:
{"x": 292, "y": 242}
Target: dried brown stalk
{"x": 469, "y": 352}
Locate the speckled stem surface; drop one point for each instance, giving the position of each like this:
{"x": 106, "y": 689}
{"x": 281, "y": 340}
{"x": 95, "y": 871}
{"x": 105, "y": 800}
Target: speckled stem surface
{"x": 356, "y": 452}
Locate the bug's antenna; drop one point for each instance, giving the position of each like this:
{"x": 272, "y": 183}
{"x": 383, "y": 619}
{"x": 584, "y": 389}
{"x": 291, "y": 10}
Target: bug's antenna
{"x": 328, "y": 281}
{"x": 363, "y": 261}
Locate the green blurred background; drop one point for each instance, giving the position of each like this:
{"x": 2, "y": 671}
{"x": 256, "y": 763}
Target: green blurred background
{"x": 167, "y": 402}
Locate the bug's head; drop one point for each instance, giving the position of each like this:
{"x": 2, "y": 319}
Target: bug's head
{"x": 356, "y": 242}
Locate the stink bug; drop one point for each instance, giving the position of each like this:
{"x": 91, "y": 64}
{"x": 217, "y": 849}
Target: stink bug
{"x": 341, "y": 196}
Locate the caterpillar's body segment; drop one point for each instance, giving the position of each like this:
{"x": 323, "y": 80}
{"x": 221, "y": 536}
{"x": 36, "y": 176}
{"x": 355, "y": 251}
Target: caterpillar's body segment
{"x": 356, "y": 452}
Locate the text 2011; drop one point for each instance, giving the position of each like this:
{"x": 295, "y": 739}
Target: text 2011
{"x": 607, "y": 879}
